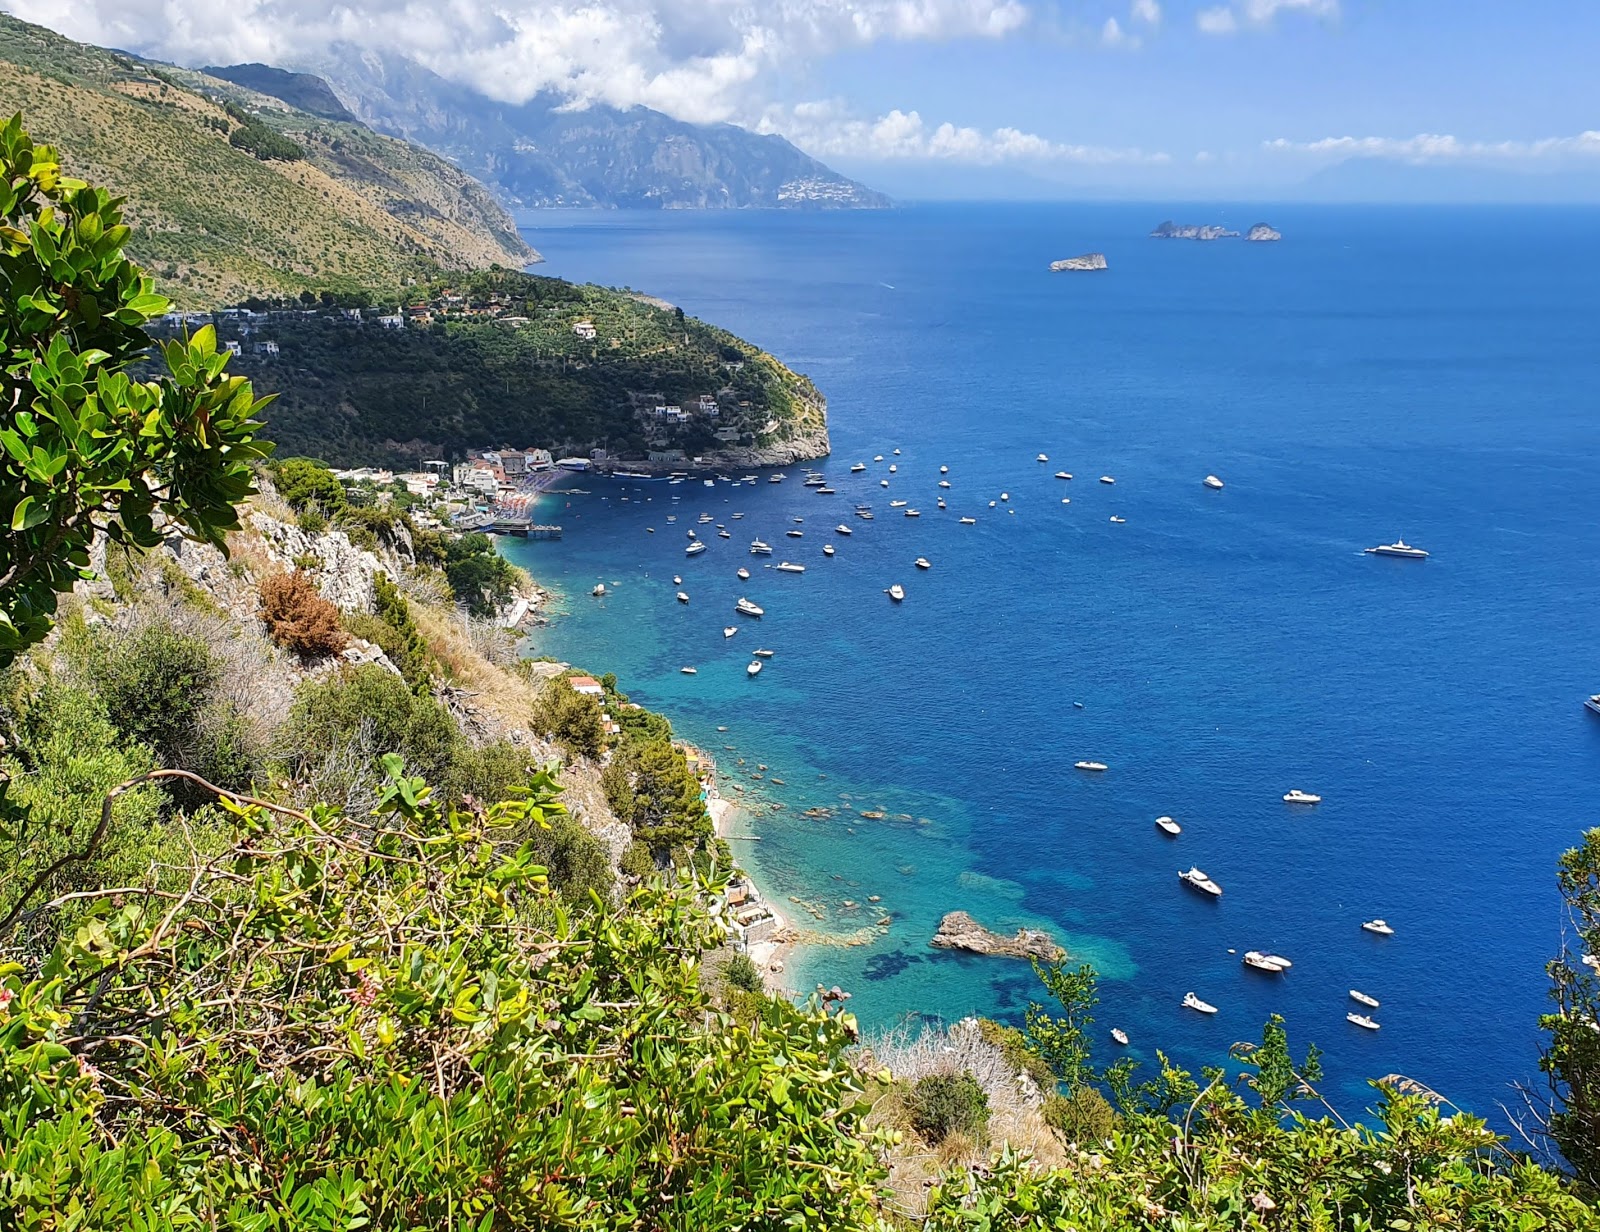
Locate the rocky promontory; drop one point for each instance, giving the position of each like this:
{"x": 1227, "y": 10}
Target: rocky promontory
{"x": 1188, "y": 231}
{"x": 1261, "y": 233}
{"x": 959, "y": 931}
{"x": 1088, "y": 261}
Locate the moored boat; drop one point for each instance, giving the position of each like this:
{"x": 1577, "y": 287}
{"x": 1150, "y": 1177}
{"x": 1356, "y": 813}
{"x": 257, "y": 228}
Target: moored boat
{"x": 1044, "y": 457}
{"x": 1192, "y": 1002}
{"x": 694, "y": 549}
{"x": 944, "y": 483}
{"x": 1296, "y": 796}
{"x": 689, "y": 671}
{"x": 745, "y": 608}
{"x": 729, "y": 630}
{"x": 790, "y": 567}
{"x": 858, "y": 468}
{"x": 599, "y": 591}
{"x": 1096, "y": 766}
{"x": 1593, "y": 703}
{"x": 1379, "y": 926}
{"x": 827, "y": 549}
{"x": 1196, "y": 880}
{"x": 898, "y": 504}
{"x": 1369, "y": 1002}
{"x": 922, "y": 562}
{"x": 763, "y": 654}
{"x": 1361, "y": 1020}
{"x": 1167, "y": 825}
{"x": 896, "y": 592}
{"x": 1107, "y": 479}
{"x": 1211, "y": 481}
{"x": 1063, "y": 475}
{"x": 682, "y": 598}
{"x": 743, "y": 575}
{"x": 758, "y": 548}
{"x": 754, "y": 669}
{"x": 1121, "y": 1036}
{"x": 842, "y": 529}
{"x": 913, "y": 513}
{"x": 969, "y": 521}
{"x": 794, "y": 534}
{"x": 1258, "y": 961}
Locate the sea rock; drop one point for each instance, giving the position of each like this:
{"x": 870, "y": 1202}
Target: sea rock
{"x": 959, "y": 931}
{"x": 1261, "y": 233}
{"x": 1188, "y": 231}
{"x": 1088, "y": 261}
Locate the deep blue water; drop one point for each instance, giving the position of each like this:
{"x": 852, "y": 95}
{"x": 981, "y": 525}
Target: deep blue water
{"x": 1429, "y": 374}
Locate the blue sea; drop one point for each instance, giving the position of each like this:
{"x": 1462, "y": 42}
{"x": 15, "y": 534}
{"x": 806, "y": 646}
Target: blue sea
{"x": 1428, "y": 374}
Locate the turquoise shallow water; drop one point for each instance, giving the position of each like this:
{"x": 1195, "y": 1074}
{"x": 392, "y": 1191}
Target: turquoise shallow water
{"x": 1380, "y": 373}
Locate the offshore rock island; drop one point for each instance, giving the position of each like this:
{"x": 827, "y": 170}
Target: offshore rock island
{"x": 959, "y": 931}
{"x": 1260, "y": 233}
{"x": 1088, "y": 261}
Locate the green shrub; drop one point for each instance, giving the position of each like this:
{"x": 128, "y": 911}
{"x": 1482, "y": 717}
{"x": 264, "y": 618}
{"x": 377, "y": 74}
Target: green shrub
{"x": 307, "y": 484}
{"x": 570, "y": 718}
{"x": 637, "y": 862}
{"x": 154, "y": 683}
{"x": 577, "y": 862}
{"x": 374, "y": 704}
{"x": 741, "y": 972}
{"x": 939, "y": 1105}
{"x": 1083, "y": 1117}
{"x": 311, "y": 521}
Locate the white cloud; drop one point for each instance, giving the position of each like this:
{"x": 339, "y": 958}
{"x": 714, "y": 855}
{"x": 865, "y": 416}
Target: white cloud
{"x": 1227, "y": 18}
{"x": 1146, "y": 11}
{"x": 1113, "y": 35}
{"x": 1437, "y": 148}
{"x": 828, "y": 130}
{"x": 701, "y": 60}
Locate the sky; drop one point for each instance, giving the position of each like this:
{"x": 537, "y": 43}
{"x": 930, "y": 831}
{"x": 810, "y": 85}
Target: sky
{"x": 994, "y": 98}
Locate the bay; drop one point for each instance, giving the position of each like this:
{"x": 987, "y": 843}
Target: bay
{"x": 1380, "y": 373}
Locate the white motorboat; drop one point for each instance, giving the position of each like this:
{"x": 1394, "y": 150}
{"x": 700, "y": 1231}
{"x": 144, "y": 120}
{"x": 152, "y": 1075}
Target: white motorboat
{"x": 1063, "y": 475}
{"x": 795, "y": 534}
{"x": 992, "y": 504}
{"x": 1369, "y": 1002}
{"x": 1296, "y": 796}
{"x": 1361, "y": 1020}
{"x": 672, "y": 517}
{"x": 710, "y": 483}
{"x": 689, "y": 671}
{"x": 790, "y": 567}
{"x": 676, "y": 580}
{"x": 722, "y": 534}
{"x": 743, "y": 575}
{"x": 913, "y": 513}
{"x": 1107, "y": 479}
{"x": 1044, "y": 457}
{"x": 944, "y": 483}
{"x": 763, "y": 654}
{"x": 745, "y": 608}
{"x": 858, "y": 468}
{"x": 599, "y": 591}
{"x": 898, "y": 504}
{"x": 1378, "y": 926}
{"x": 1197, "y": 880}
{"x": 897, "y": 453}
{"x": 1398, "y": 548}
{"x": 825, "y": 491}
{"x": 1096, "y": 766}
{"x": 1279, "y": 959}
{"x": 944, "y": 470}
{"x": 758, "y": 548}
{"x": 1192, "y": 1002}
{"x": 1005, "y": 496}
{"x": 922, "y": 562}
{"x": 704, "y": 518}
{"x": 1211, "y": 481}
{"x": 682, "y": 598}
{"x": 827, "y": 549}
{"x": 1121, "y": 1036}
{"x": 941, "y": 502}
{"x": 877, "y": 457}
{"x": 969, "y": 521}
{"x": 1262, "y": 962}
{"x": 737, "y": 516}
{"x": 1168, "y": 826}
{"x": 1593, "y": 703}
{"x": 1117, "y": 520}
{"x": 842, "y": 529}
{"x": 754, "y": 669}
{"x": 694, "y": 549}
{"x": 883, "y": 483}
{"x": 776, "y": 478}
{"x": 649, "y": 530}
{"x": 893, "y": 468}
{"x": 692, "y": 535}
{"x": 729, "y": 630}
{"x": 897, "y": 592}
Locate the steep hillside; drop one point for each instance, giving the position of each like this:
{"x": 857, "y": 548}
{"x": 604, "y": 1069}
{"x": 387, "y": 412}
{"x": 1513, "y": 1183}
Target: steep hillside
{"x": 217, "y": 221}
{"x": 302, "y": 91}
{"x": 543, "y": 154}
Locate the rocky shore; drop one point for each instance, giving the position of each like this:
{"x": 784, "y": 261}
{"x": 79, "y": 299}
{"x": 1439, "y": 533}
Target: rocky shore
{"x": 959, "y": 931}
{"x": 1088, "y": 261}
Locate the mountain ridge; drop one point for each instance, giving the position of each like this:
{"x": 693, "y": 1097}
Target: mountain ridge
{"x": 547, "y": 152}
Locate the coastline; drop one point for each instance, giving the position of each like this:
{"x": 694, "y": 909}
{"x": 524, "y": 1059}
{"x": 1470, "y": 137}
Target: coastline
{"x": 772, "y": 953}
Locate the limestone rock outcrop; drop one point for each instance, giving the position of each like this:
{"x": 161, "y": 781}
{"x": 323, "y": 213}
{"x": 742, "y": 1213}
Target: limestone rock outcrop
{"x": 959, "y": 931}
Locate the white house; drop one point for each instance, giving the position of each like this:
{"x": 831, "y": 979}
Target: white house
{"x": 585, "y": 330}
{"x": 392, "y": 322}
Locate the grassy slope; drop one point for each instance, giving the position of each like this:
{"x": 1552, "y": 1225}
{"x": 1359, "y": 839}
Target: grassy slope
{"x": 214, "y": 222}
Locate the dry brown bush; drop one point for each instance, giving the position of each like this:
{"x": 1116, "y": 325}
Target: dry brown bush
{"x": 298, "y": 618}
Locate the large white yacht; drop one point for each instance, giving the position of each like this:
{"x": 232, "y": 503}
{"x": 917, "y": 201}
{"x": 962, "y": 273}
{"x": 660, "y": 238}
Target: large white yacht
{"x": 745, "y": 608}
{"x": 1195, "y": 879}
{"x": 758, "y": 548}
{"x": 694, "y": 549}
{"x": 1398, "y": 548}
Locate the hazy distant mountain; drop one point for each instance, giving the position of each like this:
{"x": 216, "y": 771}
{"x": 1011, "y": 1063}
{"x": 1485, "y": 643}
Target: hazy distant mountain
{"x": 543, "y": 153}
{"x": 1380, "y": 180}
{"x": 300, "y": 90}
